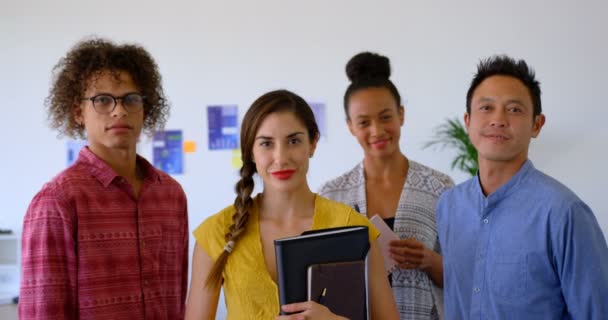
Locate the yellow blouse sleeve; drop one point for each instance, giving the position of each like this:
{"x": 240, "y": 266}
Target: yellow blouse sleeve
{"x": 357, "y": 219}
{"x": 210, "y": 234}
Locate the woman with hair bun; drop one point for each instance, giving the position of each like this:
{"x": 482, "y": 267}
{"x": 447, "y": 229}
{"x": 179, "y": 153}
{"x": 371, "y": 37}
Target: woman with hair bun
{"x": 401, "y": 191}
{"x": 234, "y": 248}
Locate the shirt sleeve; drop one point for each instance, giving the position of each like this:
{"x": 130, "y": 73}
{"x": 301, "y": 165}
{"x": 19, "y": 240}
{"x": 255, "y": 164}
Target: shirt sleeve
{"x": 357, "y": 219}
{"x": 441, "y": 222}
{"x": 49, "y": 263}
{"x": 448, "y": 183}
{"x": 581, "y": 258}
{"x": 210, "y": 235}
{"x": 185, "y": 264}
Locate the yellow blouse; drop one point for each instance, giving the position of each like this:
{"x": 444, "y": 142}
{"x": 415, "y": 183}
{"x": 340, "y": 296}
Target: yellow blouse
{"x": 249, "y": 291}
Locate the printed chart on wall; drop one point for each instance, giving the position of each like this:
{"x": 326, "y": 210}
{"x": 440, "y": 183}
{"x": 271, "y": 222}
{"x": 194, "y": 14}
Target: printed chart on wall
{"x": 318, "y": 108}
{"x": 223, "y": 127}
{"x": 73, "y": 148}
{"x": 168, "y": 151}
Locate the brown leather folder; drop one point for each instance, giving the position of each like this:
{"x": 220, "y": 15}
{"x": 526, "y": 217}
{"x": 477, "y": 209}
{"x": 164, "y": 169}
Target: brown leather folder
{"x": 341, "y": 287}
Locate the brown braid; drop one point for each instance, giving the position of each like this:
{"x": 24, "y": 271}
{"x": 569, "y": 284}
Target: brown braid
{"x": 242, "y": 203}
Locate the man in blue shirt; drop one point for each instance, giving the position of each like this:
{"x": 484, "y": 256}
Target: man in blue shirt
{"x": 516, "y": 243}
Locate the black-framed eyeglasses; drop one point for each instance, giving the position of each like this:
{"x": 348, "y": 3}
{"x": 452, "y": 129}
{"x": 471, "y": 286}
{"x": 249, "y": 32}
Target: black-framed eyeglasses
{"x": 106, "y": 103}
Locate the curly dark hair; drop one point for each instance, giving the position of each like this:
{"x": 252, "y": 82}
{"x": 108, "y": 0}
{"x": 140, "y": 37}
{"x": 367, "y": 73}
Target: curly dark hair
{"x": 503, "y": 65}
{"x": 84, "y": 63}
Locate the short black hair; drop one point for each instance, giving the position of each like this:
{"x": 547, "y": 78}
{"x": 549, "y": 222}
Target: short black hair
{"x": 503, "y": 65}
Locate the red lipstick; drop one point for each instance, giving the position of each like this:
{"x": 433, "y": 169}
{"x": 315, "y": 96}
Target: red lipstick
{"x": 283, "y": 174}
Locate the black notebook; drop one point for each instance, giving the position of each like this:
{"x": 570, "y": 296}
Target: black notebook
{"x": 295, "y": 254}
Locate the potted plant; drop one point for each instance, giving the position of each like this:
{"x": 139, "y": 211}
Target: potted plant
{"x": 453, "y": 134}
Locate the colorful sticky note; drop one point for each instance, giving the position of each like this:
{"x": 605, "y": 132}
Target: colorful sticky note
{"x": 237, "y": 162}
{"x": 189, "y": 146}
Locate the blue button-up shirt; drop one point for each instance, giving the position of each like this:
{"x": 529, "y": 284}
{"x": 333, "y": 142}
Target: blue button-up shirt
{"x": 530, "y": 250}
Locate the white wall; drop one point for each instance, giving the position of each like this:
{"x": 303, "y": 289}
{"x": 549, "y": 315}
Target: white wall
{"x": 213, "y": 52}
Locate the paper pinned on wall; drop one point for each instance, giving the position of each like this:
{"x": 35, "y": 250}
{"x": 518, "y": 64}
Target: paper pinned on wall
{"x": 189, "y": 146}
{"x": 168, "y": 151}
{"x": 237, "y": 162}
{"x": 318, "y": 108}
{"x": 223, "y": 127}
{"x": 73, "y": 148}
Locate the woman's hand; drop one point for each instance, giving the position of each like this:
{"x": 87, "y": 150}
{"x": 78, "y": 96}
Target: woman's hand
{"x": 308, "y": 310}
{"x": 413, "y": 254}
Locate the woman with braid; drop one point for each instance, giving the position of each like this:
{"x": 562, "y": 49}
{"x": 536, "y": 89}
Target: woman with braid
{"x": 234, "y": 248}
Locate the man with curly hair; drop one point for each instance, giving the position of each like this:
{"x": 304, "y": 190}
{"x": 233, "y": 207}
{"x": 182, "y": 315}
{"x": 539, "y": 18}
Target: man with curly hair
{"x": 107, "y": 238}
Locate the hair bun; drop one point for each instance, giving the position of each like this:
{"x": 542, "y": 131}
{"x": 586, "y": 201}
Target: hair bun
{"x": 366, "y": 65}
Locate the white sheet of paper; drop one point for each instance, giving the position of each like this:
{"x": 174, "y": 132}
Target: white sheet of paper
{"x": 386, "y": 236}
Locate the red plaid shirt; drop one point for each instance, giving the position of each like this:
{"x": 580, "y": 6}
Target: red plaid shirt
{"x": 91, "y": 250}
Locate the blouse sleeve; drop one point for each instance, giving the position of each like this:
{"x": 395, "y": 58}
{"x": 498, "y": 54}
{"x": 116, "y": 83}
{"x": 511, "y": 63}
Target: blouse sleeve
{"x": 210, "y": 234}
{"x": 357, "y": 219}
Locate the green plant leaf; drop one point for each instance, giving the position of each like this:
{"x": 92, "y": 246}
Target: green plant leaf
{"x": 453, "y": 135}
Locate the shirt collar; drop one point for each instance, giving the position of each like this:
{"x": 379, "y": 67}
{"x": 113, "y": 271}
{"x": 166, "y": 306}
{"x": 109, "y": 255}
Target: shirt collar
{"x": 506, "y": 189}
{"x": 105, "y": 174}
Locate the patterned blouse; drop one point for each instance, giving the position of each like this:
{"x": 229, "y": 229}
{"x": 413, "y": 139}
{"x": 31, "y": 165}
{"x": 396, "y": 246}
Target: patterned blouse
{"x": 416, "y": 295}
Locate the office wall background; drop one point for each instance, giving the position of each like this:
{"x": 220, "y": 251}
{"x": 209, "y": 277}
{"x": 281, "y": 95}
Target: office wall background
{"x": 230, "y": 52}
